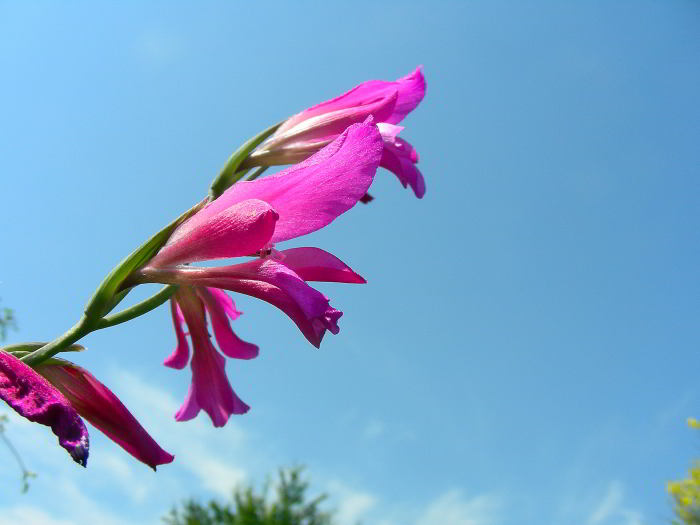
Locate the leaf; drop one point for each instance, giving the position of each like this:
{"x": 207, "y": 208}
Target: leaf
{"x": 34, "y": 345}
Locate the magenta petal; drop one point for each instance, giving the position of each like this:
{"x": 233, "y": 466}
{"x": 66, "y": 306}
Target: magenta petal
{"x": 210, "y": 389}
{"x": 411, "y": 90}
{"x": 226, "y": 303}
{"x": 330, "y": 320}
{"x": 229, "y": 343}
{"x": 312, "y": 328}
{"x": 96, "y": 403}
{"x": 327, "y": 126}
{"x": 178, "y": 359}
{"x": 312, "y": 302}
{"x": 311, "y": 194}
{"x": 400, "y": 158}
{"x": 314, "y": 264}
{"x": 33, "y": 397}
{"x": 273, "y": 282}
{"x": 239, "y": 229}
{"x": 190, "y": 407}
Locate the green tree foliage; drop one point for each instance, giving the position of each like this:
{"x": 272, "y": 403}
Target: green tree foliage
{"x": 288, "y": 507}
{"x": 686, "y": 492}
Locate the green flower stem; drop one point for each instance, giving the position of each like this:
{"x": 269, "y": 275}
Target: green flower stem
{"x": 257, "y": 173}
{"x": 81, "y": 329}
{"x": 233, "y": 179}
{"x": 138, "y": 309}
{"x": 230, "y": 173}
{"x": 86, "y": 325}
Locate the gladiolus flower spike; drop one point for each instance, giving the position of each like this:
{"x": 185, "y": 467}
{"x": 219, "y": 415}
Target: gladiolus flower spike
{"x": 336, "y": 148}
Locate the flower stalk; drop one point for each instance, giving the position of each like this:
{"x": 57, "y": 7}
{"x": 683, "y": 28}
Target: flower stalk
{"x": 138, "y": 309}
{"x": 230, "y": 174}
{"x": 78, "y": 331}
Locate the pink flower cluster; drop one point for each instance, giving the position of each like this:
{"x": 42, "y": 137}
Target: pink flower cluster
{"x": 337, "y": 146}
{"x": 250, "y": 218}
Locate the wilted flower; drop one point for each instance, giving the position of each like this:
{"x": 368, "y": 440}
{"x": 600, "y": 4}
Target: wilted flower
{"x": 58, "y": 393}
{"x": 35, "y": 398}
{"x": 98, "y": 404}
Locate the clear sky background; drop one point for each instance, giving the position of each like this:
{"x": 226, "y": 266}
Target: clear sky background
{"x": 526, "y": 348}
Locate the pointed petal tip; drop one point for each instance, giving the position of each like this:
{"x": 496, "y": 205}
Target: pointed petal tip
{"x": 165, "y": 459}
{"x": 253, "y": 351}
{"x": 418, "y": 72}
{"x": 412, "y": 89}
{"x": 79, "y": 452}
{"x": 181, "y": 416}
{"x": 418, "y": 77}
{"x": 419, "y": 185}
{"x": 172, "y": 361}
{"x": 241, "y": 408}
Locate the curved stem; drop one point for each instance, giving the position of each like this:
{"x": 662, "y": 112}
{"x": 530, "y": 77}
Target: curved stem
{"x": 81, "y": 328}
{"x": 138, "y": 309}
{"x": 85, "y": 326}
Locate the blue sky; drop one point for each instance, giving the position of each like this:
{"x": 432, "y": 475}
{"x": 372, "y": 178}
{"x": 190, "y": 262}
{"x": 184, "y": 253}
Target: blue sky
{"x": 526, "y": 348}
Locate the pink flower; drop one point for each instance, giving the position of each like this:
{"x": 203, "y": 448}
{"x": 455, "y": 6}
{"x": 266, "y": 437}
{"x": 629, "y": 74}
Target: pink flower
{"x": 34, "y": 398}
{"x": 210, "y": 389}
{"x": 96, "y": 403}
{"x": 248, "y": 219}
{"x": 279, "y": 279}
{"x": 388, "y": 102}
